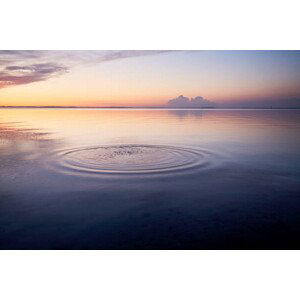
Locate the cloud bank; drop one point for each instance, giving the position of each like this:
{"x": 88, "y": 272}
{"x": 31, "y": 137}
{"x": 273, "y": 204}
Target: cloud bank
{"x": 19, "y": 67}
{"x": 185, "y": 102}
{"x": 17, "y": 75}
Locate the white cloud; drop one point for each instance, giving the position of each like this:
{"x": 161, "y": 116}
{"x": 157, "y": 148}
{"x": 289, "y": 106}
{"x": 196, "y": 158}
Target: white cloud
{"x": 185, "y": 102}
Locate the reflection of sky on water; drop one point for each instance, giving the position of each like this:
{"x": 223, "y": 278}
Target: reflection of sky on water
{"x": 244, "y": 193}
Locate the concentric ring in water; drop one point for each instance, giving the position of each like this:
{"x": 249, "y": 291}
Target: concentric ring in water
{"x": 129, "y": 159}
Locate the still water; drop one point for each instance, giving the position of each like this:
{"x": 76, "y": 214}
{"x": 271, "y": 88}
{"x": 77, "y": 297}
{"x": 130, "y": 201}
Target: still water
{"x": 149, "y": 179}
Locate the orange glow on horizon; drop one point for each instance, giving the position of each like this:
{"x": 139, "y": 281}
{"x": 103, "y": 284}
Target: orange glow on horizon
{"x": 73, "y": 78}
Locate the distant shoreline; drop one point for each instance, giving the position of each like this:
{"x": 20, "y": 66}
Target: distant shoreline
{"x": 147, "y": 107}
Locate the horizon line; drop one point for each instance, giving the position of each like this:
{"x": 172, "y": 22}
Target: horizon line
{"x": 140, "y": 107}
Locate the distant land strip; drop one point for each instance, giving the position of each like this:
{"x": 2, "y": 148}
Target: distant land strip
{"x": 146, "y": 107}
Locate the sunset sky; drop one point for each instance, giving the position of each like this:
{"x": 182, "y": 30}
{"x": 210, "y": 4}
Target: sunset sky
{"x": 148, "y": 78}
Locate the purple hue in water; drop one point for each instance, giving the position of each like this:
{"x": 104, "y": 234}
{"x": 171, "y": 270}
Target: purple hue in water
{"x": 149, "y": 179}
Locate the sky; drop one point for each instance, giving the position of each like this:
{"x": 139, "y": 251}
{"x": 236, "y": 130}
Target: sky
{"x": 149, "y": 78}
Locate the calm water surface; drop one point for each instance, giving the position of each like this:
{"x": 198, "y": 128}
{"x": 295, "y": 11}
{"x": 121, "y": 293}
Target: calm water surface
{"x": 149, "y": 179}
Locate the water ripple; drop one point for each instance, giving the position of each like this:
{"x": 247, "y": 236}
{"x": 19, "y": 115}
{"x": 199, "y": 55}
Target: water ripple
{"x": 128, "y": 159}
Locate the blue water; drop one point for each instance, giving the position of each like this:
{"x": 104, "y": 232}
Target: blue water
{"x": 149, "y": 179}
